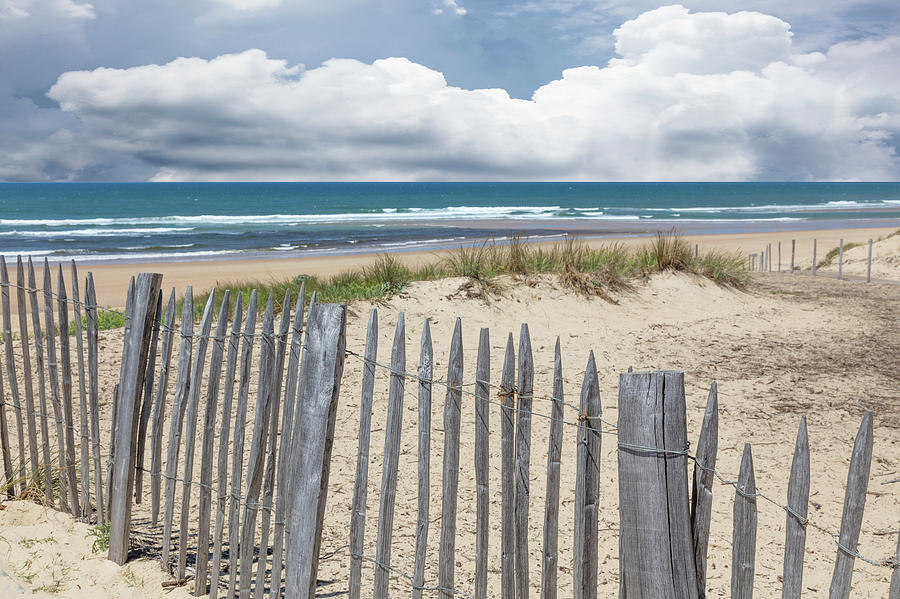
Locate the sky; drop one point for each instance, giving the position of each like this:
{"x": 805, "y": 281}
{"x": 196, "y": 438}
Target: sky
{"x": 449, "y": 90}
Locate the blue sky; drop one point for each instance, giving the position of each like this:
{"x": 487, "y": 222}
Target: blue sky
{"x": 449, "y": 90}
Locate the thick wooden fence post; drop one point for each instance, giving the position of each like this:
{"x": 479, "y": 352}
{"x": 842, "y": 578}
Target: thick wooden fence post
{"x": 587, "y": 486}
{"x": 131, "y": 377}
{"x": 425, "y": 373}
{"x": 795, "y": 527}
{"x": 360, "y": 488}
{"x": 482, "y": 461}
{"x": 450, "y": 478}
{"x": 701, "y": 500}
{"x": 743, "y": 551}
{"x": 392, "y": 431}
{"x": 854, "y": 504}
{"x": 654, "y": 511}
{"x": 321, "y": 368}
{"x": 550, "y": 564}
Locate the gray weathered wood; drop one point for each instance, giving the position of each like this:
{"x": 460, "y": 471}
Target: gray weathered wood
{"x": 90, "y": 312}
{"x": 131, "y": 376}
{"x": 425, "y": 374}
{"x": 482, "y": 461}
{"x": 159, "y": 408}
{"x": 525, "y": 390}
{"x": 53, "y": 377}
{"x": 854, "y": 504}
{"x": 237, "y": 464}
{"x": 224, "y": 446}
{"x": 779, "y": 256}
{"x": 814, "y": 258}
{"x": 176, "y": 422}
{"x": 268, "y": 491}
{"x": 147, "y": 403}
{"x": 256, "y": 461}
{"x": 869, "y": 264}
{"x": 8, "y": 470}
{"x": 206, "y": 457}
{"x": 508, "y": 473}
{"x": 841, "y": 260}
{"x": 190, "y": 432}
{"x": 550, "y": 563}
{"x": 30, "y": 420}
{"x": 82, "y": 399}
{"x": 701, "y": 499}
{"x": 894, "y": 591}
{"x": 743, "y": 551}
{"x": 321, "y": 368}
{"x": 360, "y": 486}
{"x": 287, "y": 423}
{"x": 392, "y": 431}
{"x": 587, "y": 486}
{"x": 795, "y": 527}
{"x": 654, "y": 511}
{"x": 450, "y": 478}
{"x": 65, "y": 367}
{"x": 42, "y": 388}
{"x": 794, "y": 251}
{"x": 13, "y": 377}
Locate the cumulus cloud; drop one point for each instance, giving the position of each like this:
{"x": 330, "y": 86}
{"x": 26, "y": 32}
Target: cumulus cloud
{"x": 19, "y": 10}
{"x": 451, "y": 7}
{"x": 691, "y": 96}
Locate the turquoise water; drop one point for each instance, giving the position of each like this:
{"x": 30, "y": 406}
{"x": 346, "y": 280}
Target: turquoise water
{"x": 135, "y": 221}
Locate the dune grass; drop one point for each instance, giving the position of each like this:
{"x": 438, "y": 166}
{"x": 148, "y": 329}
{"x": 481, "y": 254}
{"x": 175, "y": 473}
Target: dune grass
{"x": 585, "y": 270}
{"x": 829, "y": 258}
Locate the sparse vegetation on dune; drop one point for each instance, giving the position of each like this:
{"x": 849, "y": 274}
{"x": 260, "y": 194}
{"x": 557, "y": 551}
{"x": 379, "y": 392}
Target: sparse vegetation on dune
{"x": 583, "y": 269}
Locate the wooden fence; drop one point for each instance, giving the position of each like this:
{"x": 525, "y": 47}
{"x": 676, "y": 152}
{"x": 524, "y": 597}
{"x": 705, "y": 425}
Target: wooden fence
{"x": 767, "y": 260}
{"x": 256, "y": 528}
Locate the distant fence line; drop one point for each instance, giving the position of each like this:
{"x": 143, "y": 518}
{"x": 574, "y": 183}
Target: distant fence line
{"x": 286, "y": 470}
{"x": 763, "y": 261}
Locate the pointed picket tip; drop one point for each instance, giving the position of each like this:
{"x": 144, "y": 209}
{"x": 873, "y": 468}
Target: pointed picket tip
{"x": 524, "y": 339}
{"x": 426, "y": 333}
{"x": 238, "y": 307}
{"x": 590, "y": 382}
{"x": 398, "y": 352}
{"x": 251, "y": 308}
{"x": 61, "y": 282}
{"x": 746, "y": 477}
{"x": 457, "y": 332}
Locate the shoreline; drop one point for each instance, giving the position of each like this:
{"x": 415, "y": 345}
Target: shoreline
{"x": 111, "y": 280}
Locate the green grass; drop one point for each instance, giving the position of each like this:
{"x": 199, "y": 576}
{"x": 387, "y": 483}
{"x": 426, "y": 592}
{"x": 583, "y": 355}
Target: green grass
{"x": 834, "y": 252}
{"x": 106, "y": 320}
{"x": 585, "y": 270}
{"x": 100, "y": 533}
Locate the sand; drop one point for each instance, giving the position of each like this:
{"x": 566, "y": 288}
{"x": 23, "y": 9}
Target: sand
{"x": 111, "y": 280}
{"x": 792, "y": 345}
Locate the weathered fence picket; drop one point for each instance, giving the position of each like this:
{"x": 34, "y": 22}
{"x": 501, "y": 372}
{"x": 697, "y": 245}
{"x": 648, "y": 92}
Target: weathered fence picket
{"x": 176, "y": 421}
{"x": 206, "y": 451}
{"x": 795, "y": 527}
{"x": 65, "y": 367}
{"x": 550, "y": 562}
{"x": 321, "y": 367}
{"x": 425, "y": 373}
{"x": 82, "y": 396}
{"x": 392, "y": 432}
{"x": 482, "y": 461}
{"x": 42, "y": 385}
{"x": 854, "y": 505}
{"x": 524, "y": 393}
{"x": 159, "y": 408}
{"x": 587, "y": 486}
{"x": 12, "y": 377}
{"x": 30, "y": 421}
{"x": 134, "y": 363}
{"x": 701, "y": 499}
{"x": 147, "y": 403}
{"x": 508, "y": 476}
{"x": 743, "y": 551}
{"x": 90, "y": 313}
{"x": 256, "y": 461}
{"x": 360, "y": 488}
{"x": 450, "y": 477}
{"x": 224, "y": 435}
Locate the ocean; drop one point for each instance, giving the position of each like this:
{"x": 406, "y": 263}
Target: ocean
{"x": 195, "y": 221}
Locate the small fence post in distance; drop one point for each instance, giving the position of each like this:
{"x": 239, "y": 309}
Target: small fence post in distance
{"x": 794, "y": 252}
{"x": 131, "y": 378}
{"x": 814, "y": 258}
{"x": 869, "y": 264}
{"x": 841, "y": 260}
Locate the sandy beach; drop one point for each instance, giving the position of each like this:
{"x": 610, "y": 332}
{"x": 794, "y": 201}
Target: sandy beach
{"x": 786, "y": 347}
{"x": 112, "y": 279}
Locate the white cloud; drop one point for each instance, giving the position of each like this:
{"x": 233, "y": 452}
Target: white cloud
{"x": 248, "y": 5}
{"x": 450, "y": 7}
{"x": 705, "y": 96}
